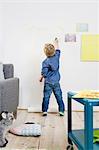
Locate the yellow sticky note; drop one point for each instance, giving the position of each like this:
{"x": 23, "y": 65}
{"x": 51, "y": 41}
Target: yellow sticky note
{"x": 90, "y": 47}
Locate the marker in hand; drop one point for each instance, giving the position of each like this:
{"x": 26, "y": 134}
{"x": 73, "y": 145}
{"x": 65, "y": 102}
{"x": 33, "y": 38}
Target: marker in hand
{"x": 56, "y": 39}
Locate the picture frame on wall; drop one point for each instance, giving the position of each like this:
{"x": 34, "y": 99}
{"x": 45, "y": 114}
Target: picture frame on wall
{"x": 70, "y": 37}
{"x": 82, "y": 27}
{"x": 90, "y": 47}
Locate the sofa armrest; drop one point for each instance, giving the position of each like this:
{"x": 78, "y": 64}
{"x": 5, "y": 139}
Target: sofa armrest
{"x": 8, "y": 70}
{"x": 9, "y": 94}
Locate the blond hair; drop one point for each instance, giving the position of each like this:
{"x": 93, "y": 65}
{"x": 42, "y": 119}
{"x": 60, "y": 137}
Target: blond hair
{"x": 49, "y": 50}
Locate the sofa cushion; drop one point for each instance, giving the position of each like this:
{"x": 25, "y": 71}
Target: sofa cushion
{"x": 1, "y": 71}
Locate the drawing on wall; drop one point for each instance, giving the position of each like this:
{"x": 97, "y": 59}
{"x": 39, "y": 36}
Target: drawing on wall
{"x": 82, "y": 27}
{"x": 90, "y": 47}
{"x": 70, "y": 37}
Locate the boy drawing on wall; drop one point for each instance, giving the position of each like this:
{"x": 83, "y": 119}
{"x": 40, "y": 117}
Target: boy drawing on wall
{"x": 51, "y": 75}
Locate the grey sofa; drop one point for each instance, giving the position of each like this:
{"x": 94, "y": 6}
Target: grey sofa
{"x": 9, "y": 90}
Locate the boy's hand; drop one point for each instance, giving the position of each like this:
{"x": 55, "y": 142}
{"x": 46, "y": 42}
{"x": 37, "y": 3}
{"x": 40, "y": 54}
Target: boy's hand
{"x": 41, "y": 79}
{"x": 56, "y": 45}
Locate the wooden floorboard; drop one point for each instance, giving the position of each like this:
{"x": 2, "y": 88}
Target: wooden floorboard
{"x": 54, "y": 131}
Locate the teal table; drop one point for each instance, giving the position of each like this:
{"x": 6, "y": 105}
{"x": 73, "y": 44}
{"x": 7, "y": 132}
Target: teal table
{"x": 82, "y": 138}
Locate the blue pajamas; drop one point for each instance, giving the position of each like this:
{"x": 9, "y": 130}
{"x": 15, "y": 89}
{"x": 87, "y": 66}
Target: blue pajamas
{"x": 48, "y": 89}
{"x": 50, "y": 72}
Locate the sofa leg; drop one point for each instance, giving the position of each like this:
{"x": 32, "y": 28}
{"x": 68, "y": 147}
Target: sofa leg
{"x": 15, "y": 114}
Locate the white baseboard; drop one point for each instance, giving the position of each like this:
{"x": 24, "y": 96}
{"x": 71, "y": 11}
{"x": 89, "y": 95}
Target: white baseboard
{"x": 33, "y": 109}
{"x": 37, "y": 109}
{"x": 22, "y": 107}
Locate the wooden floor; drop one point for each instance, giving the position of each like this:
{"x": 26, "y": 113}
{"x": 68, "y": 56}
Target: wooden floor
{"x": 54, "y": 134}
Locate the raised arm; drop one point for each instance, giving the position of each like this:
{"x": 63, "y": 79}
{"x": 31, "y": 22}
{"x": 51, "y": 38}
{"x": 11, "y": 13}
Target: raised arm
{"x": 56, "y": 43}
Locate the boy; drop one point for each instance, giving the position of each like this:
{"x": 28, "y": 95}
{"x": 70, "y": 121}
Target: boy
{"x": 50, "y": 72}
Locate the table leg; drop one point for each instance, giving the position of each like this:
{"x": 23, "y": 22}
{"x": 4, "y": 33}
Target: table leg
{"x": 69, "y": 111}
{"x": 88, "y": 123}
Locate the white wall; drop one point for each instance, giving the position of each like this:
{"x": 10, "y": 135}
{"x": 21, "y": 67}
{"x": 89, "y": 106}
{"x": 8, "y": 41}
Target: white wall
{"x": 98, "y": 33}
{"x": 1, "y": 33}
{"x": 27, "y": 26}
